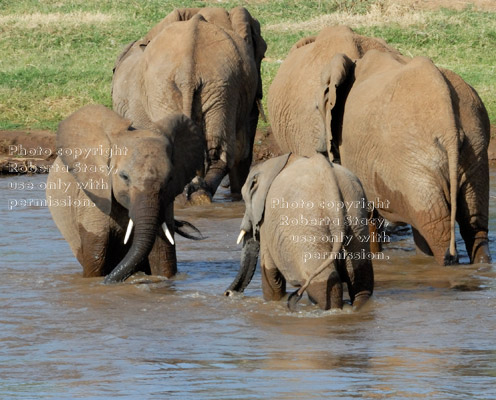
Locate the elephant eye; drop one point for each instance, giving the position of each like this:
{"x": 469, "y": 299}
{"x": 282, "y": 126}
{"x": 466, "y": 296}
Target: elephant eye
{"x": 124, "y": 176}
{"x": 254, "y": 183}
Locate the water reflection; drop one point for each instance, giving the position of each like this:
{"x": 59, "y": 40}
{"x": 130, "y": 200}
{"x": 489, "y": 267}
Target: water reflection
{"x": 427, "y": 332}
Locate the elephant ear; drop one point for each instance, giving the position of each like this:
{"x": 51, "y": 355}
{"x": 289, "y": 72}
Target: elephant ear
{"x": 249, "y": 29}
{"x": 179, "y": 14}
{"x": 303, "y": 42}
{"x": 188, "y": 149}
{"x": 256, "y": 188}
{"x": 333, "y": 76}
{"x": 129, "y": 49}
{"x": 83, "y": 143}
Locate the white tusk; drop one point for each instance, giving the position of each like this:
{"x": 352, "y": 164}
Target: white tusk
{"x": 167, "y": 233}
{"x": 128, "y": 232}
{"x": 240, "y": 237}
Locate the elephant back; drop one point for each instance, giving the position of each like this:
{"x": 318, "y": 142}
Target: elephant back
{"x": 296, "y": 90}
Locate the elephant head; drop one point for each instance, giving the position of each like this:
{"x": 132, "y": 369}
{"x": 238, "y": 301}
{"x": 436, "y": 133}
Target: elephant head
{"x": 139, "y": 172}
{"x": 254, "y": 193}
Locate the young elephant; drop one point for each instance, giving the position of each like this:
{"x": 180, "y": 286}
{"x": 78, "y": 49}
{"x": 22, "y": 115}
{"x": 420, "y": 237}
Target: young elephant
{"x": 109, "y": 176}
{"x": 310, "y": 218}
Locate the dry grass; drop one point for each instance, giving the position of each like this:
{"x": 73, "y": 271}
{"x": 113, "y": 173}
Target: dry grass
{"x": 36, "y": 20}
{"x": 482, "y": 5}
{"x": 377, "y": 15}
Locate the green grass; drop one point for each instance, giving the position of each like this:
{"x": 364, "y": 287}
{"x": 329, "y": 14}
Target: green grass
{"x": 57, "y": 56}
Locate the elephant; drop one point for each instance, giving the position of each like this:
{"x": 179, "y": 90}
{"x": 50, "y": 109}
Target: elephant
{"x": 294, "y": 95}
{"x": 307, "y": 218}
{"x": 109, "y": 176}
{"x": 415, "y": 135}
{"x": 204, "y": 63}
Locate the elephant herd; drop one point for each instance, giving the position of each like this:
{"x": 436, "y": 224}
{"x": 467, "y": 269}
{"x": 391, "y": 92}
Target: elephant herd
{"x": 356, "y": 119}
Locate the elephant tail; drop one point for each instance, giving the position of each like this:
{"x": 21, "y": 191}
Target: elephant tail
{"x": 187, "y": 79}
{"x": 296, "y": 295}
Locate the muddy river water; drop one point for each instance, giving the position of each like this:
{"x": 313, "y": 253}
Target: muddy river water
{"x": 428, "y": 332}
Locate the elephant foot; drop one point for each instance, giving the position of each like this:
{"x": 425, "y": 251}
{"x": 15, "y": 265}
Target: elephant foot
{"x": 360, "y": 299}
{"x": 196, "y": 193}
{"x": 293, "y": 300}
{"x": 199, "y": 198}
{"x": 481, "y": 253}
{"x": 225, "y": 182}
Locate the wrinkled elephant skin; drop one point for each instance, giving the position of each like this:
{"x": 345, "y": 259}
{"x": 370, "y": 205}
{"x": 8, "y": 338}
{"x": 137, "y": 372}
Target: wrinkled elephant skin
{"x": 109, "y": 174}
{"x": 204, "y": 63}
{"x": 415, "y": 135}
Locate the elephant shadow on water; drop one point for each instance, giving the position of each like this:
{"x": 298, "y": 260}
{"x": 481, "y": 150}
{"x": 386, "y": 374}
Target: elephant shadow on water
{"x": 110, "y": 176}
{"x": 315, "y": 256}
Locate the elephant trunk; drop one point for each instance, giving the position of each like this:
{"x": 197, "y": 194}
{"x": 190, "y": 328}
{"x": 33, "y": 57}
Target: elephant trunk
{"x": 146, "y": 219}
{"x": 248, "y": 264}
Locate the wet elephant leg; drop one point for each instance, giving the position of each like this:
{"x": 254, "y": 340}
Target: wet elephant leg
{"x": 203, "y": 192}
{"x": 273, "y": 283}
{"x": 436, "y": 234}
{"x": 94, "y": 236}
{"x": 215, "y": 173}
{"x": 480, "y": 249}
{"x": 477, "y": 244}
{"x": 327, "y": 294}
{"x": 162, "y": 258}
{"x": 472, "y": 217}
{"x": 92, "y": 255}
{"x": 244, "y": 156}
{"x": 374, "y": 231}
{"x": 344, "y": 276}
{"x": 238, "y": 174}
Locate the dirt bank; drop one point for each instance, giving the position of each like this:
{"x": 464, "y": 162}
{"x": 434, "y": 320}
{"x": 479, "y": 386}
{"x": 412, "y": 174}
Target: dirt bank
{"x": 34, "y": 151}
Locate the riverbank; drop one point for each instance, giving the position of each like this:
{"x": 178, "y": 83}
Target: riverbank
{"x": 33, "y": 151}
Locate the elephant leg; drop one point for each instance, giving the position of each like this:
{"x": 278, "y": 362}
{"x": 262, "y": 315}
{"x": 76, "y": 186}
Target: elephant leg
{"x": 345, "y": 278}
{"x": 201, "y": 190}
{"x": 327, "y": 294}
{"x": 273, "y": 283}
{"x": 436, "y": 234}
{"x": 97, "y": 252}
{"x": 238, "y": 174}
{"x": 477, "y": 243}
{"x": 92, "y": 255}
{"x": 162, "y": 258}
{"x": 472, "y": 217}
{"x": 480, "y": 249}
{"x": 215, "y": 173}
{"x": 374, "y": 232}
{"x": 421, "y": 243}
